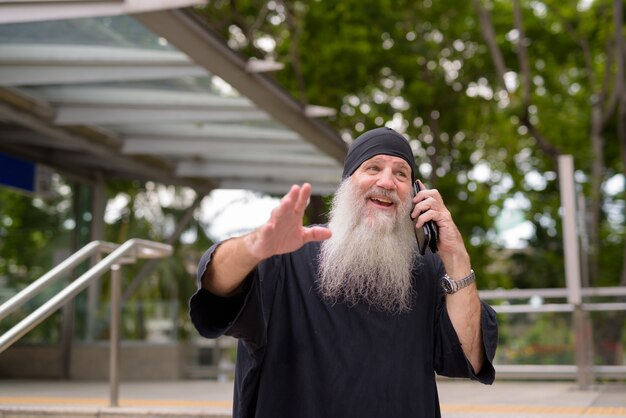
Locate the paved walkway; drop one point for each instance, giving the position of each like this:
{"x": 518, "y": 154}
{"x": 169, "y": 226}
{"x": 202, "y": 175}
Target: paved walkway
{"x": 459, "y": 399}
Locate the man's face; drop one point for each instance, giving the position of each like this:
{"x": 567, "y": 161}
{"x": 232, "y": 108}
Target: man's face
{"x": 385, "y": 183}
{"x": 372, "y": 253}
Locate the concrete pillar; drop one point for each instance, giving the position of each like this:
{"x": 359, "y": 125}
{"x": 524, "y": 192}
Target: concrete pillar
{"x": 96, "y": 232}
{"x": 580, "y": 320}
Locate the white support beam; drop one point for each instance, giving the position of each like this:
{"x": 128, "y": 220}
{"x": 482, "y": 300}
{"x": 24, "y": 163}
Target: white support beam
{"x": 138, "y": 97}
{"x": 69, "y": 54}
{"x": 229, "y": 150}
{"x": 295, "y": 173}
{"x": 181, "y": 146}
{"x": 34, "y": 64}
{"x": 22, "y": 75}
{"x": 212, "y": 131}
{"x": 19, "y": 12}
{"x": 247, "y": 156}
{"x": 74, "y": 115}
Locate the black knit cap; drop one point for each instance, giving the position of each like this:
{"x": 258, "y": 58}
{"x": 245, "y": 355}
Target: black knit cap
{"x": 378, "y": 141}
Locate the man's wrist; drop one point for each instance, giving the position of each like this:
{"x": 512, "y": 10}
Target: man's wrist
{"x": 252, "y": 247}
{"x": 457, "y": 266}
{"x": 450, "y": 285}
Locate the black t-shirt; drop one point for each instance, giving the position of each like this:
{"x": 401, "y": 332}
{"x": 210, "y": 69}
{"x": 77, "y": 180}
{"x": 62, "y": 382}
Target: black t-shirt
{"x": 300, "y": 356}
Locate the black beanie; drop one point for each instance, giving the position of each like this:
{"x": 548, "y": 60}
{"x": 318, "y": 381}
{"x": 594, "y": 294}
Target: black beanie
{"x": 378, "y": 141}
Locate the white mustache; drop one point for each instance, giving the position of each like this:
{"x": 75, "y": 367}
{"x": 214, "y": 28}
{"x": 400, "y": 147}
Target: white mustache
{"x": 380, "y": 192}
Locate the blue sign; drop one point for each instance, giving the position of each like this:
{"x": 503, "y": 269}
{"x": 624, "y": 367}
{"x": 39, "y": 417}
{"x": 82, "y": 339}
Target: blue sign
{"x": 22, "y": 174}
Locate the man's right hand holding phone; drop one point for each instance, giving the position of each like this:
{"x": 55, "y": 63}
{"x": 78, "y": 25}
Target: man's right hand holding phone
{"x": 426, "y": 235}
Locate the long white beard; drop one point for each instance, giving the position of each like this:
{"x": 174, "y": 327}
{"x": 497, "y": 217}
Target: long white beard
{"x": 371, "y": 254}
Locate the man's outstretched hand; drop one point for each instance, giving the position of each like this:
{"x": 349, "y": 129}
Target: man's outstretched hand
{"x": 234, "y": 259}
{"x": 283, "y": 232}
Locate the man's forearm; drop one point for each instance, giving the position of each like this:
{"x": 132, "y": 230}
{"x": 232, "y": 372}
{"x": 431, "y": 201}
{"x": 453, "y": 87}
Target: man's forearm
{"x": 464, "y": 309}
{"x": 230, "y": 265}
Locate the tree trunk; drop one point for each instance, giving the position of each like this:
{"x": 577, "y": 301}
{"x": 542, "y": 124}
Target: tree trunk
{"x": 595, "y": 200}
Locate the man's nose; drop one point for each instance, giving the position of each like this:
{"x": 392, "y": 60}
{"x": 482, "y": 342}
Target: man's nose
{"x": 386, "y": 180}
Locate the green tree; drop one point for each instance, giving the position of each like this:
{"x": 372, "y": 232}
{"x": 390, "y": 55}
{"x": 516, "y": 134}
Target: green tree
{"x": 502, "y": 86}
{"x": 152, "y": 211}
{"x": 37, "y": 233}
{"x": 490, "y": 92}
{"x": 381, "y": 62}
{"x": 33, "y": 233}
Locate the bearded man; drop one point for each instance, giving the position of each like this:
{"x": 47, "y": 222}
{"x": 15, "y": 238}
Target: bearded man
{"x": 349, "y": 320}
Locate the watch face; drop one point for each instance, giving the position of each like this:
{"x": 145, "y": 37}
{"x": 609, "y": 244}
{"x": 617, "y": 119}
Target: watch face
{"x": 447, "y": 286}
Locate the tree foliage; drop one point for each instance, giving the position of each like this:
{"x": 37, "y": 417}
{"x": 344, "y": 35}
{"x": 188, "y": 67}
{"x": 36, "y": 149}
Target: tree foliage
{"x": 489, "y": 92}
{"x": 32, "y": 232}
{"x": 37, "y": 233}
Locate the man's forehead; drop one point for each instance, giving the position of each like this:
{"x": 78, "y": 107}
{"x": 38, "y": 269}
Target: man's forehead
{"x": 396, "y": 161}
{"x": 379, "y": 141}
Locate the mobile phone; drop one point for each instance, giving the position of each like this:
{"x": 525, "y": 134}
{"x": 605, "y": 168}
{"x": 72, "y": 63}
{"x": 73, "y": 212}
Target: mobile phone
{"x": 428, "y": 234}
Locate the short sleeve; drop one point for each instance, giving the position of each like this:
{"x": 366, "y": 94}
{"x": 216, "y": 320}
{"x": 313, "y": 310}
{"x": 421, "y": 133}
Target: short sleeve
{"x": 210, "y": 314}
{"x": 243, "y": 316}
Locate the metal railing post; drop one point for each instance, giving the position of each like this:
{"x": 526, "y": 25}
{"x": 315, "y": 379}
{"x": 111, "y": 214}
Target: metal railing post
{"x": 583, "y": 351}
{"x": 114, "y": 351}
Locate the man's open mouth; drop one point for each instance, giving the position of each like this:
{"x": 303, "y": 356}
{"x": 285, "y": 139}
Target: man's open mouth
{"x": 381, "y": 201}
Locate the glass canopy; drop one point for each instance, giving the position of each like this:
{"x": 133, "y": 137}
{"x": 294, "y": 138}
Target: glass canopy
{"x": 155, "y": 96}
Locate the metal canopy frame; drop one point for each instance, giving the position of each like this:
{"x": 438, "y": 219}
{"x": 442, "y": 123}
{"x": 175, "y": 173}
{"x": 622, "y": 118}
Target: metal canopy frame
{"x": 179, "y": 107}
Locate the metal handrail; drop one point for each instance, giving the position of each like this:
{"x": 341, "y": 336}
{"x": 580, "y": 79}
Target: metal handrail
{"x": 560, "y": 292}
{"x": 30, "y": 291}
{"x": 554, "y": 293}
{"x": 560, "y": 371}
{"x": 124, "y": 254}
{"x": 136, "y": 248}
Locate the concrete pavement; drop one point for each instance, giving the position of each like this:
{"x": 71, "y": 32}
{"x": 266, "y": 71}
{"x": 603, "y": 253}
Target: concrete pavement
{"x": 206, "y": 398}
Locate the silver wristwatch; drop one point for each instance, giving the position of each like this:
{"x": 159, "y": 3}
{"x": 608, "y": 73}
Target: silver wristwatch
{"x": 452, "y": 286}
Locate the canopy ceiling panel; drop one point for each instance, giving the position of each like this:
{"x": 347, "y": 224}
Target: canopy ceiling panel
{"x": 152, "y": 96}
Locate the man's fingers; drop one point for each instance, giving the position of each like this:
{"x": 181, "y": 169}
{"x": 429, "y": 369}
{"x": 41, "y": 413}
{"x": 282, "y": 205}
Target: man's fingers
{"x": 303, "y": 198}
{"x": 316, "y": 233}
{"x": 424, "y": 206}
{"x": 292, "y": 195}
{"x": 287, "y": 202}
{"x": 296, "y": 200}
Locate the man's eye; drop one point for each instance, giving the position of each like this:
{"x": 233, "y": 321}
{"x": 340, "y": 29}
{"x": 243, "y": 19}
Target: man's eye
{"x": 372, "y": 168}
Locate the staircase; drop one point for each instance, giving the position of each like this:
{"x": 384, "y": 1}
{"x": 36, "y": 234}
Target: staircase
{"x": 87, "y": 399}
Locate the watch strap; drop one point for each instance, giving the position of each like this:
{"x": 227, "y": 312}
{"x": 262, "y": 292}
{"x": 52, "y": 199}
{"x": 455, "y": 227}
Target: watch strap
{"x": 452, "y": 286}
